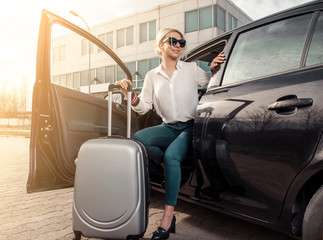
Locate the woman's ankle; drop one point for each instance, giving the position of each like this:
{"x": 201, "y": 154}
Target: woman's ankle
{"x": 167, "y": 217}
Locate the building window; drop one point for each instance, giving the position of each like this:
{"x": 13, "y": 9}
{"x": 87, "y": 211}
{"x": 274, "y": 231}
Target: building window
{"x": 142, "y": 68}
{"x": 153, "y": 63}
{"x": 132, "y": 68}
{"x": 62, "y": 80}
{"x": 102, "y": 39}
{"x": 69, "y": 80}
{"x": 125, "y": 37}
{"x": 129, "y": 36}
{"x": 86, "y": 46}
{"x": 77, "y": 79}
{"x": 205, "y": 18}
{"x": 107, "y": 38}
{"x": 232, "y": 22}
{"x": 84, "y": 78}
{"x": 59, "y": 53}
{"x": 219, "y": 17}
{"x": 152, "y": 30}
{"x": 191, "y": 21}
{"x": 120, "y": 73}
{"x": 202, "y": 19}
{"x": 109, "y": 74}
{"x": 56, "y": 79}
{"x": 147, "y": 31}
{"x": 92, "y": 72}
{"x": 143, "y": 32}
{"x": 121, "y": 38}
{"x": 87, "y": 76}
{"x": 100, "y": 74}
{"x": 146, "y": 65}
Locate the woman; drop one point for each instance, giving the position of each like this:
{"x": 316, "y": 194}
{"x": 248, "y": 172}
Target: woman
{"x": 172, "y": 89}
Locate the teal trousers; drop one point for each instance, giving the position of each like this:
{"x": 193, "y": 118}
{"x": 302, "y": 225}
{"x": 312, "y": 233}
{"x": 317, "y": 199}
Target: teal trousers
{"x": 169, "y": 143}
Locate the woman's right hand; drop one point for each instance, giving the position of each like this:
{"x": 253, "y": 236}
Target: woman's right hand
{"x": 124, "y": 83}
{"x": 217, "y": 61}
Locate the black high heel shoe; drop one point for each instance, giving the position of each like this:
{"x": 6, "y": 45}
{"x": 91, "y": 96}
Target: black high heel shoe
{"x": 162, "y": 234}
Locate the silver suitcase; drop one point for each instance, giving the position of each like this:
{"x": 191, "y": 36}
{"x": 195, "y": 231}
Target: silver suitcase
{"x": 112, "y": 186}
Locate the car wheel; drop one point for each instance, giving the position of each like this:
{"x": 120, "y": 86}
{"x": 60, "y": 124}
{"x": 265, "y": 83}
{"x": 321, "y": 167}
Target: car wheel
{"x": 313, "y": 218}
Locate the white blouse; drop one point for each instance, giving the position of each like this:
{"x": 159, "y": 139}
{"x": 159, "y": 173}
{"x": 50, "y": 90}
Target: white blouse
{"x": 176, "y": 98}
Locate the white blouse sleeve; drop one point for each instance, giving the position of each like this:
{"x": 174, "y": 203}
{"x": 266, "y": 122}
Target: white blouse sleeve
{"x": 202, "y": 78}
{"x": 145, "y": 97}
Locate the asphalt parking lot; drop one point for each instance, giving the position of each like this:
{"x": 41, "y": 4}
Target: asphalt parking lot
{"x": 48, "y": 215}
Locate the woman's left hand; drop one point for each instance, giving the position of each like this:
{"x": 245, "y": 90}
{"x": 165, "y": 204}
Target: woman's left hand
{"x": 217, "y": 61}
{"x": 124, "y": 85}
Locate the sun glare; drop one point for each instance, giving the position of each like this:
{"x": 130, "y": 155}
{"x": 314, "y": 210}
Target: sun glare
{"x": 18, "y": 39}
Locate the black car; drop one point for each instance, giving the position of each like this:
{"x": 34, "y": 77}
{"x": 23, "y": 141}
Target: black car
{"x": 257, "y": 147}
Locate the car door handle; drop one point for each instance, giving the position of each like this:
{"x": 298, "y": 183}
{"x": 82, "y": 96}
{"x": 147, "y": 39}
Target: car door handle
{"x": 291, "y": 103}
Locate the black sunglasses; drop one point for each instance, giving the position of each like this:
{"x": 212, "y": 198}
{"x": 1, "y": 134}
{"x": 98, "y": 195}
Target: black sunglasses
{"x": 173, "y": 41}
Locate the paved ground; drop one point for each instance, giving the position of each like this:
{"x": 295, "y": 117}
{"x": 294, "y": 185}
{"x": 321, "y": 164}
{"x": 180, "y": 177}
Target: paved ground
{"x": 48, "y": 215}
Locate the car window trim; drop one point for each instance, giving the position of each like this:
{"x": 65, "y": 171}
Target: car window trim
{"x": 199, "y": 53}
{"x": 308, "y": 38}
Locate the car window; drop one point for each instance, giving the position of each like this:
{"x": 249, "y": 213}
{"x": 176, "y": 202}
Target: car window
{"x": 75, "y": 63}
{"x": 205, "y": 65}
{"x": 204, "y": 55}
{"x": 315, "y": 54}
{"x": 83, "y": 66}
{"x": 266, "y": 50}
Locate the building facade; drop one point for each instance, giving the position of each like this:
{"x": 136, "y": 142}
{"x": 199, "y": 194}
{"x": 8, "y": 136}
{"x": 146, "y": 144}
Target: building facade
{"x": 76, "y": 62}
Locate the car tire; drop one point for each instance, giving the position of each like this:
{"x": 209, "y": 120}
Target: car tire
{"x": 313, "y": 218}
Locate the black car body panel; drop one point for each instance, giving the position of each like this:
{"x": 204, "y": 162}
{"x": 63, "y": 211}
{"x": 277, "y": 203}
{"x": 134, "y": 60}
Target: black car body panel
{"x": 259, "y": 139}
{"x": 258, "y": 151}
{"x": 258, "y": 145}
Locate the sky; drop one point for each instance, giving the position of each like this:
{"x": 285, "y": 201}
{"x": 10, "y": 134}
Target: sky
{"x": 19, "y": 23}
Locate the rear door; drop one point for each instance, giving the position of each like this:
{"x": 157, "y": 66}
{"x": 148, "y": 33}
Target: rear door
{"x": 261, "y": 127}
{"x": 69, "y": 105}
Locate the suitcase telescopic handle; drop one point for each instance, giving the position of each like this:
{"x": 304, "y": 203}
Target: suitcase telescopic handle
{"x": 112, "y": 88}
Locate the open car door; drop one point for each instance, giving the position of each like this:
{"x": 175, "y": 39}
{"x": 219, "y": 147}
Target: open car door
{"x": 63, "y": 117}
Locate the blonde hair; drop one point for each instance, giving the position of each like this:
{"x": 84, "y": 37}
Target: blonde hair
{"x": 161, "y": 37}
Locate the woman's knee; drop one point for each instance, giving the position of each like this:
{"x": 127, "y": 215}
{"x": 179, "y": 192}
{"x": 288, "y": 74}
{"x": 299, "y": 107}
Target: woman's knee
{"x": 172, "y": 159}
{"x": 143, "y": 136}
{"x": 175, "y": 153}
{"x": 138, "y": 136}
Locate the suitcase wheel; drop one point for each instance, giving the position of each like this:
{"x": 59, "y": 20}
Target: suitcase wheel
{"x": 77, "y": 235}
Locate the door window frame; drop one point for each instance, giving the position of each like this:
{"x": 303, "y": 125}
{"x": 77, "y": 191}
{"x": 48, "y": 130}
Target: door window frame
{"x": 218, "y": 80}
